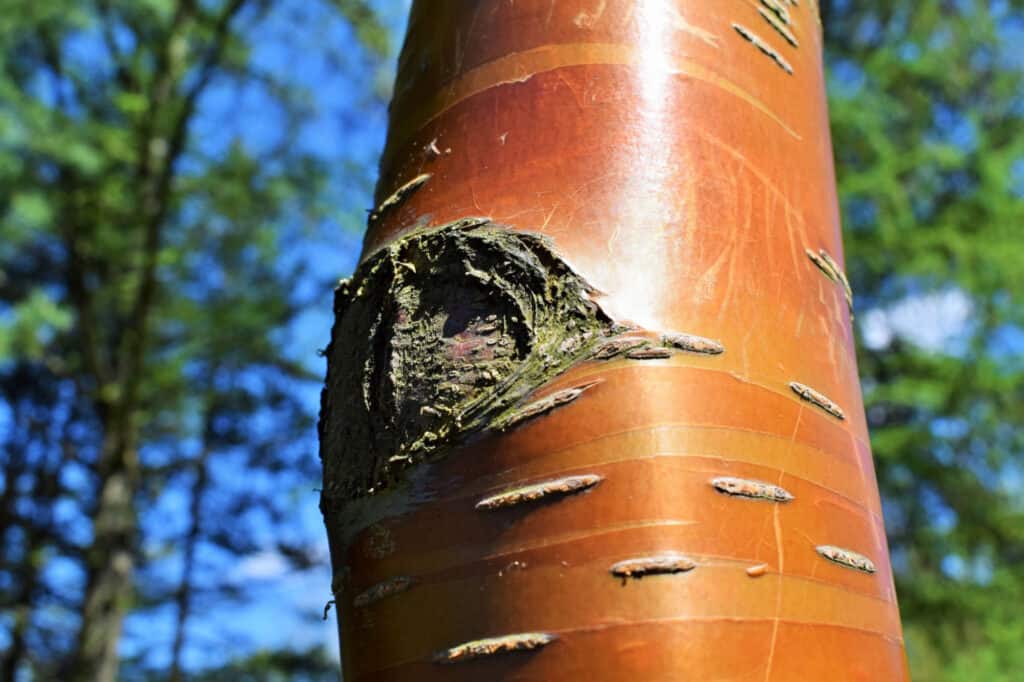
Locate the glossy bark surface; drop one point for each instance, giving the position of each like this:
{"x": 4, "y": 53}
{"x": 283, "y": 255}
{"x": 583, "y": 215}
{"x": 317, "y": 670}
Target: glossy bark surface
{"x": 677, "y": 155}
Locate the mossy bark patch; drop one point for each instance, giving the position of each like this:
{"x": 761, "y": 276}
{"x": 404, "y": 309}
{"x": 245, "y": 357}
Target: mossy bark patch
{"x": 442, "y": 334}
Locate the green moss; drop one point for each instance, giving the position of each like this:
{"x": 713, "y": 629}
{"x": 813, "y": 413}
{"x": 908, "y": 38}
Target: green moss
{"x": 441, "y": 335}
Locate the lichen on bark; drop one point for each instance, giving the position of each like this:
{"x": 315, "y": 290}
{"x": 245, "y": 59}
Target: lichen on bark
{"x": 442, "y": 334}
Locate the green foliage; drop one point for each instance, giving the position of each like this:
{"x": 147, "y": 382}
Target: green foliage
{"x": 276, "y": 666}
{"x": 31, "y": 326}
{"x": 149, "y": 292}
{"x": 146, "y": 293}
{"x": 926, "y": 112}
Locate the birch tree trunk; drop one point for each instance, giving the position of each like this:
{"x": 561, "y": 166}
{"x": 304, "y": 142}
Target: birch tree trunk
{"x": 592, "y": 408}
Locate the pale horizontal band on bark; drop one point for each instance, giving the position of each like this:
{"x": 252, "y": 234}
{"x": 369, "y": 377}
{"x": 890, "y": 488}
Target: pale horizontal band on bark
{"x": 729, "y": 446}
{"x": 686, "y": 363}
{"x": 463, "y": 562}
{"x": 676, "y": 601}
{"x": 519, "y": 67}
{"x": 841, "y": 478}
{"x": 632, "y": 531}
{"x": 403, "y": 670}
{"x": 445, "y": 560}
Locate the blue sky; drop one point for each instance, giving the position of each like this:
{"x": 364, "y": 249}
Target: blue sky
{"x": 346, "y": 126}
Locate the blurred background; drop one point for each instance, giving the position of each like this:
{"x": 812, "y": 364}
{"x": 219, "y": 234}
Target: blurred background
{"x": 183, "y": 181}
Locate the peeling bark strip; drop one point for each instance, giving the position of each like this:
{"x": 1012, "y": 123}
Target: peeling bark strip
{"x": 693, "y": 343}
{"x": 817, "y": 399}
{"x": 831, "y": 268}
{"x": 650, "y": 353}
{"x": 657, "y": 564}
{"x": 840, "y": 274}
{"x": 757, "y": 571}
{"x": 442, "y": 334}
{"x": 759, "y": 490}
{"x": 482, "y": 648}
{"x": 823, "y": 264}
{"x": 558, "y": 487}
{"x": 847, "y": 558}
{"x": 620, "y": 346}
{"x": 381, "y": 590}
{"x": 779, "y": 27}
{"x": 764, "y": 47}
{"x": 778, "y": 9}
{"x": 544, "y": 405}
{"x": 832, "y": 265}
{"x": 399, "y": 196}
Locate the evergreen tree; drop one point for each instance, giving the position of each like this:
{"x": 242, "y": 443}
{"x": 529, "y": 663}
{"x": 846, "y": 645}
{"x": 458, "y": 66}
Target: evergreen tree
{"x": 154, "y": 428}
{"x": 926, "y": 112}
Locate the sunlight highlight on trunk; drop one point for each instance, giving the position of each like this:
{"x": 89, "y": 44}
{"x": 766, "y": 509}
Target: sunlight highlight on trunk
{"x": 584, "y": 389}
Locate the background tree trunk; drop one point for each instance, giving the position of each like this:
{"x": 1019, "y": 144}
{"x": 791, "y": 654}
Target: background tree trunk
{"x": 634, "y": 447}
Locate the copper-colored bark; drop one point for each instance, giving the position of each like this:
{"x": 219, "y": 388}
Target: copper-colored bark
{"x": 677, "y": 164}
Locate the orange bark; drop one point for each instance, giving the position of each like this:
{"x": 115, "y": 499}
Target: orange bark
{"x": 677, "y": 154}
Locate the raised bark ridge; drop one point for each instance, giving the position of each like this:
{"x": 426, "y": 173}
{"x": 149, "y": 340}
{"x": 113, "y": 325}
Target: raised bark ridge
{"x": 443, "y": 333}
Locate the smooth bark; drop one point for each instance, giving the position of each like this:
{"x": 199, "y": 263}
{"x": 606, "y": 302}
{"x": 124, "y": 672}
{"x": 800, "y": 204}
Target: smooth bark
{"x": 684, "y": 490}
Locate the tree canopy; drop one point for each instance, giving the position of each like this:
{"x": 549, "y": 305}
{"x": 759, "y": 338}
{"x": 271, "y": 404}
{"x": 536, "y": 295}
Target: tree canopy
{"x": 163, "y": 177}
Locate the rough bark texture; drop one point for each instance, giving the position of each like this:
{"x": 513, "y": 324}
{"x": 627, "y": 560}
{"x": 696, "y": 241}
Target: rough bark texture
{"x": 442, "y": 334}
{"x": 650, "y": 464}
